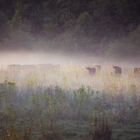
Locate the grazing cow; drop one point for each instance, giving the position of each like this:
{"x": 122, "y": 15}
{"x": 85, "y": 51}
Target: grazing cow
{"x": 91, "y": 70}
{"x": 98, "y": 67}
{"x": 117, "y": 69}
{"x": 136, "y": 70}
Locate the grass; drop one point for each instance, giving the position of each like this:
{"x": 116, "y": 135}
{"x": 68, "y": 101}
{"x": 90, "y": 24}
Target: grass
{"x": 65, "y": 114}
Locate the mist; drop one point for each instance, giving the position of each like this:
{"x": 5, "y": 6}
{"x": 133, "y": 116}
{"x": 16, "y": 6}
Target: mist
{"x": 69, "y": 69}
{"x": 79, "y": 32}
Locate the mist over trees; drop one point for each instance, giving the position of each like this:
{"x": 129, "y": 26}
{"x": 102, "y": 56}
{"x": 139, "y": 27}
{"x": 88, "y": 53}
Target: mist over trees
{"x": 99, "y": 26}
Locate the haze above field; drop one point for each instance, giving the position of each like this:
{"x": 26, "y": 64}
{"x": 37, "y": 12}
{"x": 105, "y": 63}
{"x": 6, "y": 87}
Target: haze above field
{"x": 26, "y": 58}
{"x": 63, "y": 59}
{"x": 69, "y": 31}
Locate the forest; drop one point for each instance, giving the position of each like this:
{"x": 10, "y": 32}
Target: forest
{"x": 102, "y": 27}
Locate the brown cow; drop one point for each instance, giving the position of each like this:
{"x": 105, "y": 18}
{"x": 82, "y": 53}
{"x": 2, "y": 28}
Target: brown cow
{"x": 98, "y": 67}
{"x": 117, "y": 69}
{"x": 91, "y": 70}
{"x": 136, "y": 70}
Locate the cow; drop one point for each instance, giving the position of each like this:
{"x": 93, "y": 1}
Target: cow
{"x": 98, "y": 67}
{"x": 136, "y": 70}
{"x": 117, "y": 69}
{"x": 91, "y": 70}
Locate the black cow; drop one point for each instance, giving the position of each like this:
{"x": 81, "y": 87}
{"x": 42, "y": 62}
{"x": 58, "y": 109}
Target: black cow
{"x": 117, "y": 69}
{"x": 91, "y": 70}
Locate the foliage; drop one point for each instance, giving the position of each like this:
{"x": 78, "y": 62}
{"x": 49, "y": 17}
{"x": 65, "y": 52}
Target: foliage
{"x": 65, "y": 113}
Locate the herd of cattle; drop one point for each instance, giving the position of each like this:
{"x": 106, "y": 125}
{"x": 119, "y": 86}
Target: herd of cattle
{"x": 110, "y": 78}
{"x": 116, "y": 69}
{"x": 92, "y": 70}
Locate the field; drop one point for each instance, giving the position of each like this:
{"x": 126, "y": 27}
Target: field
{"x": 68, "y": 108}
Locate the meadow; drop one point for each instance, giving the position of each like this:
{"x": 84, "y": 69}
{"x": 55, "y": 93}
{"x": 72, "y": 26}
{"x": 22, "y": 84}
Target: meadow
{"x": 70, "y": 107}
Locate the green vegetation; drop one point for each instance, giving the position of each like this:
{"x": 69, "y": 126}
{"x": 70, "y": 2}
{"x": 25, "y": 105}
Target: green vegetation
{"x": 55, "y": 113}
